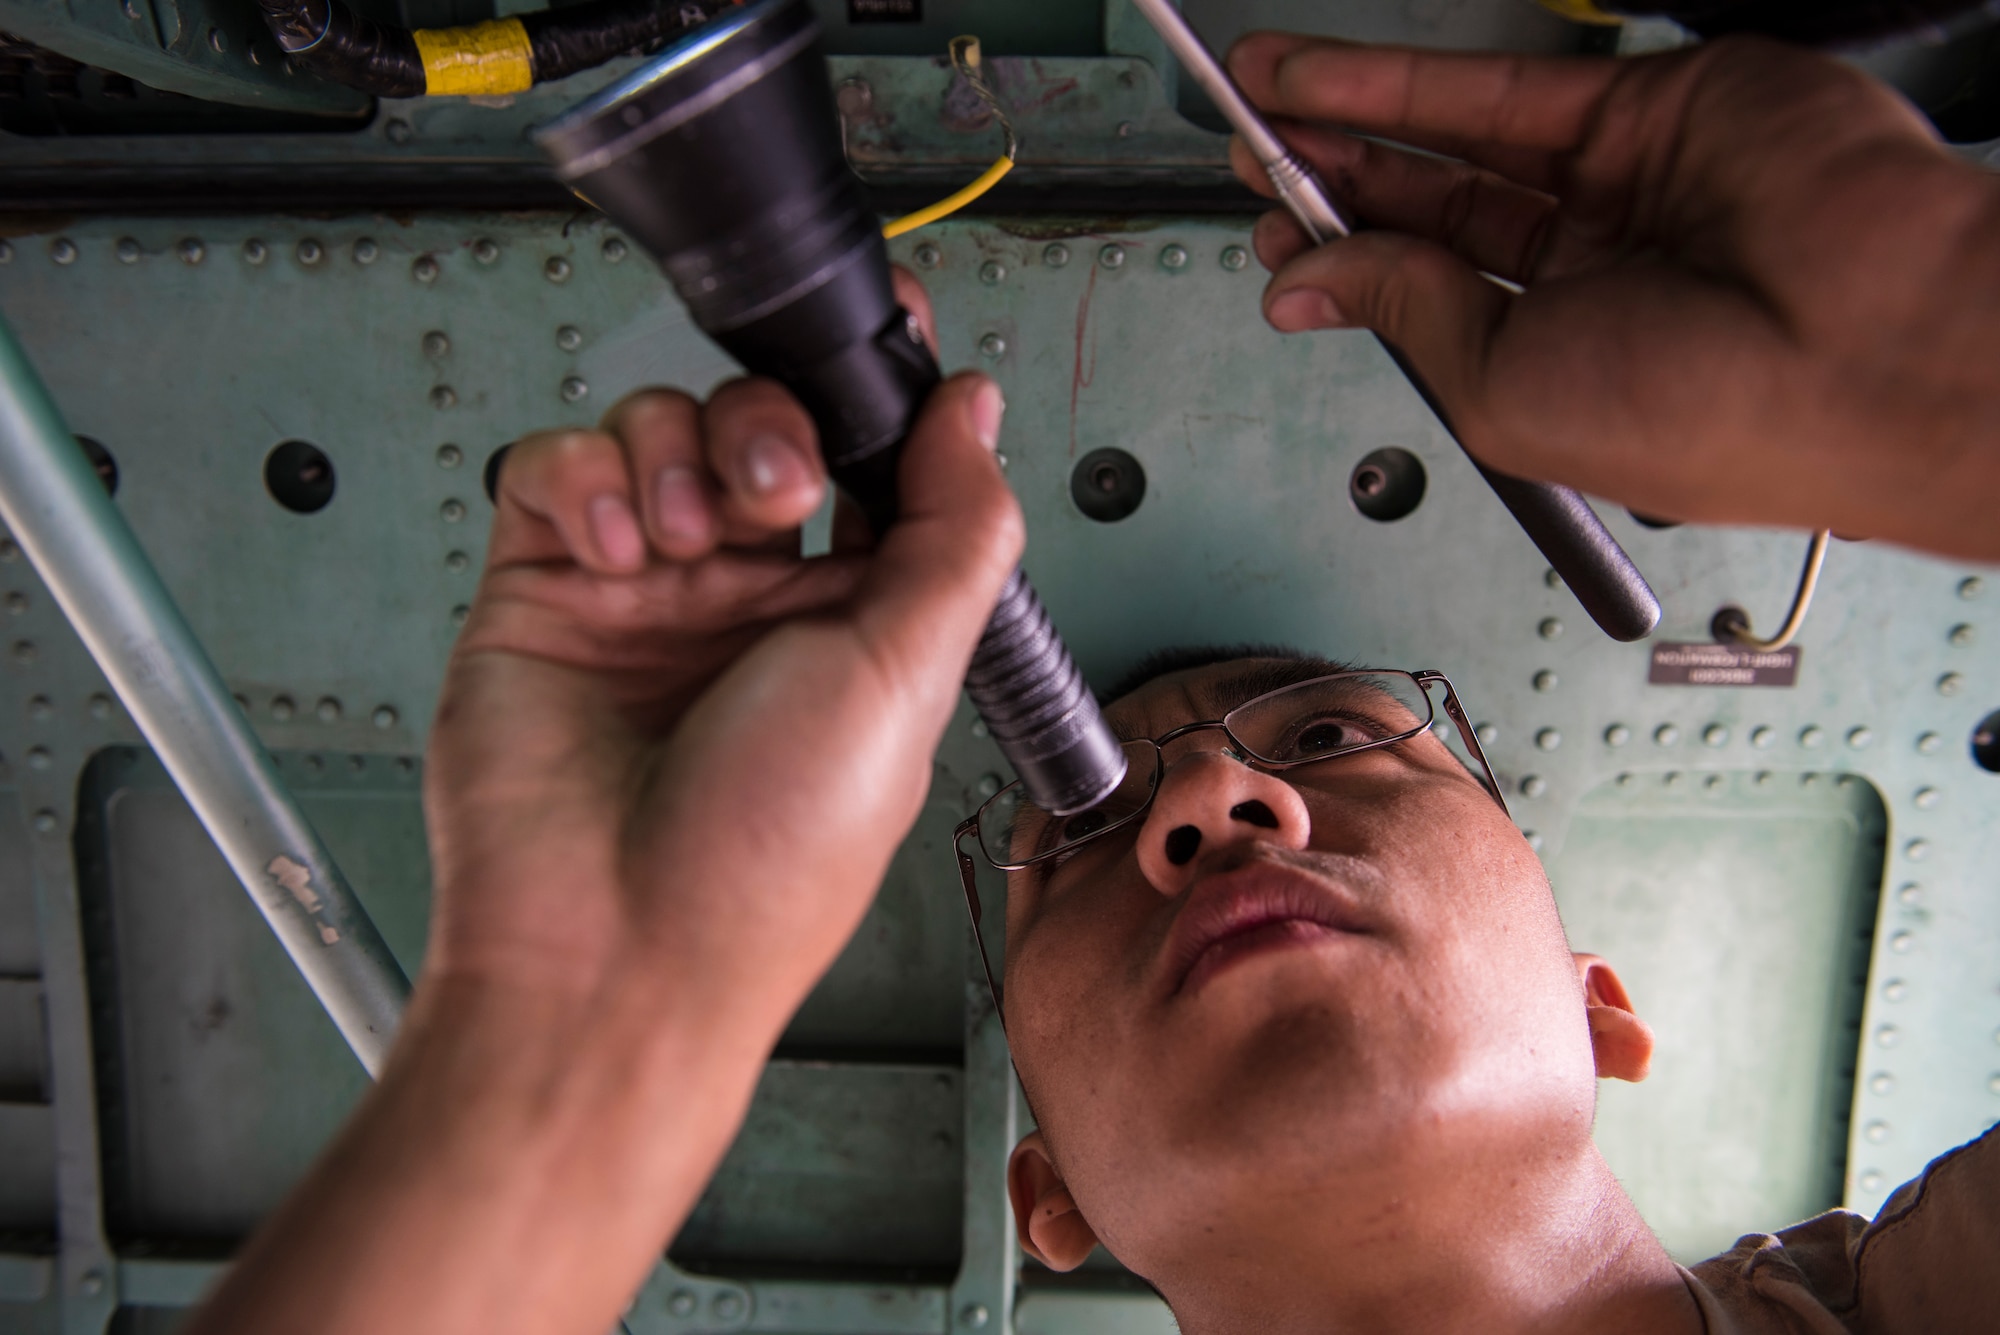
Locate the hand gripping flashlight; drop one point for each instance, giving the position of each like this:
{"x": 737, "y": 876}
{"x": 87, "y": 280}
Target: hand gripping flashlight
{"x": 722, "y": 157}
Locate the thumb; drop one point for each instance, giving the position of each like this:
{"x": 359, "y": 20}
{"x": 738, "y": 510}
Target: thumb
{"x": 939, "y": 568}
{"x": 1422, "y": 299}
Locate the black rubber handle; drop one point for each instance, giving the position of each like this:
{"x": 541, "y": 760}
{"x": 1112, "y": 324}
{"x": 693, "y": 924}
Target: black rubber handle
{"x": 1571, "y": 537}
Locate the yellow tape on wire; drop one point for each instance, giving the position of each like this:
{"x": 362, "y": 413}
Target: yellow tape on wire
{"x": 482, "y": 60}
{"x": 965, "y": 59}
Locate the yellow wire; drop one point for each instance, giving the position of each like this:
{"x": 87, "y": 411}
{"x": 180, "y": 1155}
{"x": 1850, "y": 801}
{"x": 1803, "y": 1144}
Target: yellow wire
{"x": 950, "y": 204}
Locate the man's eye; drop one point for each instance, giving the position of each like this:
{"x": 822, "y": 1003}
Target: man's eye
{"x": 1326, "y": 735}
{"x": 1084, "y": 824}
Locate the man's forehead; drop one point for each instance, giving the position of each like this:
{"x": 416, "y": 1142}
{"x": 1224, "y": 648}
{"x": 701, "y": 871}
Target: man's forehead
{"x": 1198, "y": 694}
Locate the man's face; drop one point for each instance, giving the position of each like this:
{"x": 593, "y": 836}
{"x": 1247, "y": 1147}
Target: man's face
{"x": 1345, "y": 978}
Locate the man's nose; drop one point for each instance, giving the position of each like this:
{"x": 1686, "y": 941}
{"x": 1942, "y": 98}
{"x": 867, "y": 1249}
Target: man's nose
{"x": 1210, "y": 801}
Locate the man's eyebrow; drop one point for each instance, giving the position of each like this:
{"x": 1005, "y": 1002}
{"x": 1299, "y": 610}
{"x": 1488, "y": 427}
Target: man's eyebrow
{"x": 1261, "y": 678}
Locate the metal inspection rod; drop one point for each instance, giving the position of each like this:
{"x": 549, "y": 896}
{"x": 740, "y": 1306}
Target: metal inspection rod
{"x": 57, "y": 509}
{"x": 1557, "y": 519}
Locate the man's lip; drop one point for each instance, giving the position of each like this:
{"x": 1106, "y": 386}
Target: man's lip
{"x": 1244, "y": 900}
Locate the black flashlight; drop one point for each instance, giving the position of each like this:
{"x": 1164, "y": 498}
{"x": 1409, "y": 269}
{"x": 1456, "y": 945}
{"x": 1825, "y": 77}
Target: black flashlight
{"x": 722, "y": 156}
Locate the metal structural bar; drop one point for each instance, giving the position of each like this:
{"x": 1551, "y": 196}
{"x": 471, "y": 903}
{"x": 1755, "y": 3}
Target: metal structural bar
{"x": 59, "y": 512}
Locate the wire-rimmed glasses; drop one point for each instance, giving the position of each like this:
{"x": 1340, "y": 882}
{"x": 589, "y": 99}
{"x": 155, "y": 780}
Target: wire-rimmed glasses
{"x": 1340, "y": 714}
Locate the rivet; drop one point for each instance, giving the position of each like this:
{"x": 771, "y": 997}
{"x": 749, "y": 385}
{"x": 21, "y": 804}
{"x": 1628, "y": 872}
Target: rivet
{"x": 1927, "y": 798}
{"x": 452, "y": 511}
{"x": 1713, "y": 783}
{"x": 1895, "y": 990}
{"x": 399, "y": 132}
{"x": 459, "y": 614}
{"x": 25, "y": 652}
{"x": 1859, "y": 737}
{"x": 1871, "y": 1181}
{"x": 127, "y": 250}
{"x": 1125, "y": 129}
{"x": 218, "y": 41}
{"x": 1111, "y": 256}
{"x": 63, "y": 250}
{"x": 131, "y": 8}
{"x": 1993, "y": 1083}
{"x": 727, "y": 1306}
{"x": 973, "y": 1316}
{"x": 1762, "y": 778}
{"x": 681, "y": 1303}
{"x": 1534, "y": 786}
{"x": 357, "y": 763}
{"x": 1810, "y": 736}
{"x": 569, "y": 338}
{"x": 927, "y": 256}
{"x": 9, "y": 550}
{"x": 1901, "y": 943}
{"x": 1486, "y": 733}
{"x": 457, "y": 562}
{"x": 100, "y": 706}
{"x": 17, "y": 602}
{"x": 311, "y": 252}
{"x": 6, "y": 253}
{"x": 1000, "y": 457}
{"x": 1235, "y": 258}
{"x": 255, "y": 251}
{"x": 366, "y": 251}
{"x": 45, "y": 821}
{"x": 282, "y": 708}
{"x": 1548, "y": 739}
{"x": 1671, "y": 779}
{"x": 573, "y": 388}
{"x": 1971, "y": 587}
{"x": 256, "y": 52}
{"x": 614, "y": 250}
{"x": 1617, "y": 735}
{"x": 1950, "y": 683}
{"x": 327, "y": 710}
{"x": 1877, "y": 1132}
{"x": 1928, "y": 743}
{"x": 979, "y": 728}
{"x": 1888, "y": 1036}
{"x": 1881, "y": 1083}
{"x": 450, "y": 456}
{"x": 1055, "y": 255}
{"x": 1173, "y": 258}
{"x": 92, "y": 1283}
{"x": 39, "y": 757}
{"x": 443, "y": 396}
{"x": 1551, "y": 628}
{"x": 1625, "y": 779}
{"x": 1533, "y": 838}
{"x": 1962, "y": 635}
{"x": 1715, "y": 734}
{"x": 41, "y": 707}
{"x": 437, "y": 343}
{"x": 1545, "y": 681}
{"x": 315, "y": 764}
{"x": 992, "y": 272}
{"x": 556, "y": 269}
{"x": 424, "y": 269}
{"x": 992, "y": 347}
{"x": 1846, "y": 781}
{"x": 384, "y": 716}
{"x": 1917, "y": 850}
{"x": 191, "y": 251}
{"x": 988, "y": 785}
{"x": 1909, "y": 894}
{"x": 1552, "y": 578}
{"x": 485, "y": 250}
{"x": 1666, "y": 735}
{"x": 1762, "y": 737}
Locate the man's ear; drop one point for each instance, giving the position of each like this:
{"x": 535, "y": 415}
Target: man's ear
{"x": 1051, "y": 1228}
{"x": 1619, "y": 1039}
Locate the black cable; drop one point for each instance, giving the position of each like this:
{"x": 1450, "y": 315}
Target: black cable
{"x": 502, "y": 55}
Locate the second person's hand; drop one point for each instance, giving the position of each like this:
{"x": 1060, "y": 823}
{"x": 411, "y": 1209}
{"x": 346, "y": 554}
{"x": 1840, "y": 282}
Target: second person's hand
{"x": 1758, "y": 290}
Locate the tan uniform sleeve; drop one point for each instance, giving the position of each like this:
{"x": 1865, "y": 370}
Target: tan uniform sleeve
{"x": 1928, "y": 1265}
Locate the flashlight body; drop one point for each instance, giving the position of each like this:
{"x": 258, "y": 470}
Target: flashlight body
{"x": 723, "y": 159}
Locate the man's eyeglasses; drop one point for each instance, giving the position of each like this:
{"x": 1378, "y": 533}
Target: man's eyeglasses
{"x": 1342, "y": 714}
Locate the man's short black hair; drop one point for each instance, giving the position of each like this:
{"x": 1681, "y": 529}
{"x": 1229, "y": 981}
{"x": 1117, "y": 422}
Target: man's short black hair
{"x": 1187, "y": 657}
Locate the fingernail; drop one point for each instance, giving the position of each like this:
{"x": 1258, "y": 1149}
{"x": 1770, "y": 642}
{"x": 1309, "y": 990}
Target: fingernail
{"x": 679, "y": 506}
{"x": 1304, "y": 308}
{"x": 989, "y": 405}
{"x": 772, "y": 464}
{"x": 618, "y": 538}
